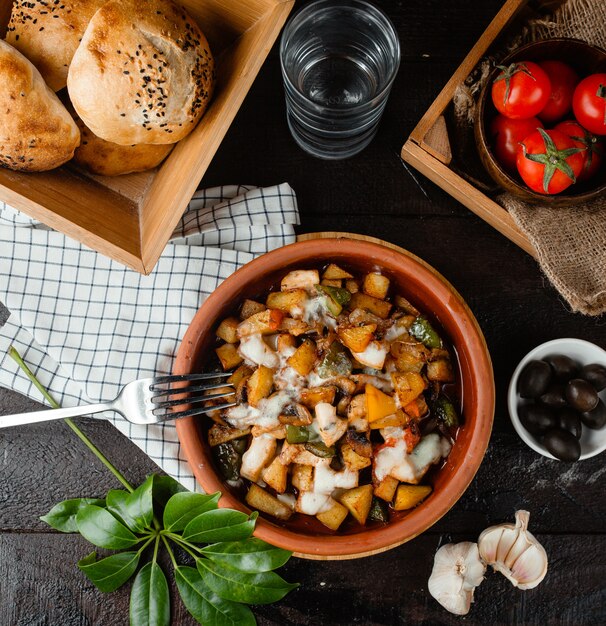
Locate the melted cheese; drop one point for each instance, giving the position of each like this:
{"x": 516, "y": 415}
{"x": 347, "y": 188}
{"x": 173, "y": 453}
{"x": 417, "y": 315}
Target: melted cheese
{"x": 312, "y": 503}
{"x": 326, "y": 480}
{"x": 373, "y": 356}
{"x": 254, "y": 350}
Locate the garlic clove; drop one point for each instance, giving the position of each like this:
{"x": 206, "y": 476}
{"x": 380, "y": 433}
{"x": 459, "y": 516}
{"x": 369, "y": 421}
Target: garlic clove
{"x": 515, "y": 552}
{"x": 457, "y": 571}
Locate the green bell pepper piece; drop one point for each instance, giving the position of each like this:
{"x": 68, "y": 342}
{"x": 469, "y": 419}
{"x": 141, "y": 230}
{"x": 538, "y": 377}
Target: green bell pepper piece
{"x": 335, "y": 362}
{"x": 444, "y": 410}
{"x": 424, "y": 332}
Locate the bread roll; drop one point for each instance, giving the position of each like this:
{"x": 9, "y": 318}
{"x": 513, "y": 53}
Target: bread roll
{"x": 48, "y": 33}
{"x": 36, "y": 131}
{"x": 109, "y": 159}
{"x": 143, "y": 73}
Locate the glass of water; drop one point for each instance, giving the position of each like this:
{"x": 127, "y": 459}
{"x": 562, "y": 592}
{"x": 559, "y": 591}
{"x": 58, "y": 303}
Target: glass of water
{"x": 339, "y": 59}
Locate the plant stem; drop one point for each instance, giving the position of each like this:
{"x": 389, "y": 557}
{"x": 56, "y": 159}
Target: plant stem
{"x": 156, "y": 548}
{"x": 89, "y": 444}
{"x": 184, "y": 544}
{"x": 146, "y": 544}
{"x": 170, "y": 552}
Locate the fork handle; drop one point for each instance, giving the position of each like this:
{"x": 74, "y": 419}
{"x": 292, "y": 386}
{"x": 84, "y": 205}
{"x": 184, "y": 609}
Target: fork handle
{"x": 51, "y": 414}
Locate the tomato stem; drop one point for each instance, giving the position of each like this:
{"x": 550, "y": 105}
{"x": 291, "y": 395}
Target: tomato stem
{"x": 508, "y": 72}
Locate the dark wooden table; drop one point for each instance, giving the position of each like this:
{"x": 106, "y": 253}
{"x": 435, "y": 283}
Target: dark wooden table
{"x": 516, "y": 307}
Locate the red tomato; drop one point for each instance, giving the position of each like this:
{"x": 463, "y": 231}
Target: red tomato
{"x": 589, "y": 103}
{"x": 563, "y": 80}
{"x": 594, "y": 147}
{"x": 507, "y": 134}
{"x": 549, "y": 162}
{"x": 521, "y": 90}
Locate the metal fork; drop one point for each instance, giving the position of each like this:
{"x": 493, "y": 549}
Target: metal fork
{"x": 144, "y": 401}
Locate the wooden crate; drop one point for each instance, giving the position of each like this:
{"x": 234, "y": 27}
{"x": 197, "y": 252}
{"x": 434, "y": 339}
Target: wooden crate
{"x": 428, "y": 148}
{"x": 130, "y": 218}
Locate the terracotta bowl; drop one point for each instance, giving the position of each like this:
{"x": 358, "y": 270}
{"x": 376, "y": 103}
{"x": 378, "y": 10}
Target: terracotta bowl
{"x": 585, "y": 59}
{"x": 427, "y": 290}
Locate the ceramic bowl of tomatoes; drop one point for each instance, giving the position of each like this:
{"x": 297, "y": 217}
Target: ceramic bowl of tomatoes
{"x": 541, "y": 122}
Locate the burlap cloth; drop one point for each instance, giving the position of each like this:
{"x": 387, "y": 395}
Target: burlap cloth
{"x": 570, "y": 242}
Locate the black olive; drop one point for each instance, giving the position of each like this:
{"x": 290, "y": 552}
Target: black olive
{"x": 594, "y": 374}
{"x": 564, "y": 368}
{"x": 554, "y": 397}
{"x": 581, "y": 395}
{"x": 536, "y": 418}
{"x": 534, "y": 379}
{"x": 570, "y": 420}
{"x": 562, "y": 444}
{"x": 596, "y": 418}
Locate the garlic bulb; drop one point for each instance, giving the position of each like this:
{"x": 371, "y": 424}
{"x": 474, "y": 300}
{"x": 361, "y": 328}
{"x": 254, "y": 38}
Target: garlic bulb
{"x": 457, "y": 571}
{"x": 514, "y": 552}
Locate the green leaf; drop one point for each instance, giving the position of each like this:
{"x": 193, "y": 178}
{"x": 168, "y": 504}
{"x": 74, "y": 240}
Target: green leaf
{"x": 183, "y": 507}
{"x": 248, "y": 555}
{"x": 149, "y": 597}
{"x": 63, "y": 515}
{"x": 102, "y": 529}
{"x": 205, "y": 605}
{"x": 134, "y": 509}
{"x": 219, "y": 525}
{"x": 112, "y": 572}
{"x": 232, "y": 584}
{"x": 117, "y": 504}
{"x": 164, "y": 488}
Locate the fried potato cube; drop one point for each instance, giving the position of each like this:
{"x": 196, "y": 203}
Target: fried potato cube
{"x": 304, "y": 358}
{"x": 219, "y": 434}
{"x": 284, "y": 341}
{"x": 409, "y": 357}
{"x": 332, "y": 282}
{"x": 244, "y": 371}
{"x": 286, "y": 300}
{"x": 266, "y": 322}
{"x": 376, "y": 285}
{"x": 417, "y": 408}
{"x": 311, "y": 396}
{"x": 302, "y": 477}
{"x": 408, "y": 496}
{"x": 406, "y": 306}
{"x": 440, "y": 371}
{"x": 229, "y": 356}
{"x": 259, "y": 453}
{"x": 228, "y": 330}
{"x": 377, "y": 307}
{"x": 358, "y": 502}
{"x": 334, "y": 271}
{"x": 352, "y": 460}
{"x": 259, "y": 384}
{"x": 257, "y": 498}
{"x": 300, "y": 279}
{"x": 296, "y": 453}
{"x": 357, "y": 338}
{"x": 333, "y": 517}
{"x": 275, "y": 475}
{"x": 408, "y": 386}
{"x": 399, "y": 418}
{"x": 386, "y": 489}
{"x": 250, "y": 308}
{"x": 293, "y": 326}
{"x": 277, "y": 432}
{"x": 352, "y": 286}
{"x": 378, "y": 404}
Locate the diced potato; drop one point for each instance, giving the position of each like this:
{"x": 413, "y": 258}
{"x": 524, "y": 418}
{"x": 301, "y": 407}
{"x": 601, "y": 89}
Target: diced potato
{"x": 352, "y": 460}
{"x": 408, "y": 496}
{"x": 259, "y": 384}
{"x": 331, "y": 282}
{"x": 440, "y": 371}
{"x": 397, "y": 419}
{"x": 358, "y": 502}
{"x": 376, "y": 285}
{"x": 228, "y": 330}
{"x": 216, "y": 416}
{"x": 286, "y": 300}
{"x": 304, "y": 358}
{"x": 218, "y": 434}
{"x": 417, "y": 408}
{"x": 408, "y": 386}
{"x": 296, "y": 453}
{"x": 302, "y": 477}
{"x": 377, "y": 307}
{"x": 229, "y": 356}
{"x": 361, "y": 380}
{"x": 352, "y": 286}
{"x": 277, "y": 432}
{"x": 250, "y": 308}
{"x": 285, "y": 341}
{"x": 275, "y": 475}
{"x": 373, "y": 356}
{"x": 405, "y": 305}
{"x": 334, "y": 271}
{"x": 259, "y": 454}
{"x": 296, "y": 415}
{"x": 357, "y": 338}
{"x": 333, "y": 518}
{"x": 258, "y": 498}
{"x": 330, "y": 426}
{"x": 300, "y": 279}
{"x": 409, "y": 357}
{"x": 378, "y": 404}
{"x": 293, "y": 326}
{"x": 314, "y": 395}
{"x": 244, "y": 371}
{"x": 266, "y": 322}
{"x": 357, "y": 408}
{"x": 386, "y": 489}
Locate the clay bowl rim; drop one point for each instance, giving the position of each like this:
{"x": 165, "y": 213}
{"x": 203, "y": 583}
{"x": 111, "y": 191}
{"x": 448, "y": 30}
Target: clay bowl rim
{"x": 502, "y": 177}
{"x": 377, "y": 539}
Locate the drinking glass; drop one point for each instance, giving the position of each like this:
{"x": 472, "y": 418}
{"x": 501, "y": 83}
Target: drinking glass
{"x": 339, "y": 59}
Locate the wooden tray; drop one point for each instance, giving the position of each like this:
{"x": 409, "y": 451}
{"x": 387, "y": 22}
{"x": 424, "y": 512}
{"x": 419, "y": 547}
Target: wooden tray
{"x": 130, "y": 218}
{"x": 428, "y": 147}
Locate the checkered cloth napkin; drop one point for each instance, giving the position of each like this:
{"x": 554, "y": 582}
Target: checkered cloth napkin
{"x": 87, "y": 325}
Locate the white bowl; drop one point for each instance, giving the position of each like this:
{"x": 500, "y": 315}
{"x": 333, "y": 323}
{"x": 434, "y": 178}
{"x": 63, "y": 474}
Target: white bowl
{"x": 592, "y": 441}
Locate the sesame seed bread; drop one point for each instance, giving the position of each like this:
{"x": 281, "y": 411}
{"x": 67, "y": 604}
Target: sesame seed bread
{"x": 36, "y": 131}
{"x": 48, "y": 32}
{"x": 143, "y": 73}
